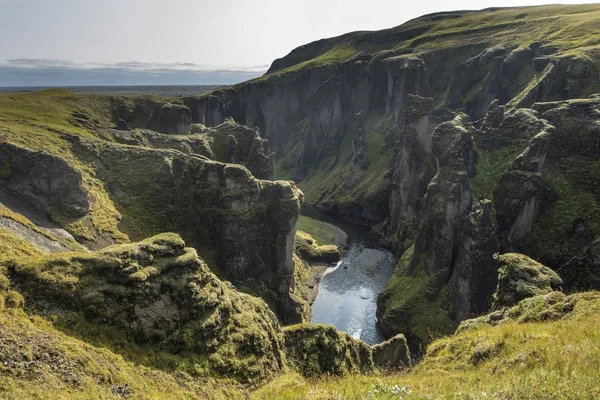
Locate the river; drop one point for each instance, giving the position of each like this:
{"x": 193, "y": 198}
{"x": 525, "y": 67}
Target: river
{"x": 347, "y": 297}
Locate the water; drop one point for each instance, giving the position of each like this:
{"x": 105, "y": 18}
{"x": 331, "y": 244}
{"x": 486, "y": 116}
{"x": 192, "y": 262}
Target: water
{"x": 347, "y": 297}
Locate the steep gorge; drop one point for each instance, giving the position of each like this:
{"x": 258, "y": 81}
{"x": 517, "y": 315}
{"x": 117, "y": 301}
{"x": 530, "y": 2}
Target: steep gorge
{"x": 442, "y": 135}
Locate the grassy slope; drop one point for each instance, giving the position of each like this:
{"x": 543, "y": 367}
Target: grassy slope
{"x": 322, "y": 233}
{"x": 558, "y": 360}
{"x": 572, "y": 30}
{"x": 41, "y": 121}
{"x": 40, "y": 362}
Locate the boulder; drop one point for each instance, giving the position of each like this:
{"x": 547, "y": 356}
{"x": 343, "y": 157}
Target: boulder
{"x": 321, "y": 350}
{"x": 308, "y": 249}
{"x": 392, "y": 354}
{"x": 520, "y": 277}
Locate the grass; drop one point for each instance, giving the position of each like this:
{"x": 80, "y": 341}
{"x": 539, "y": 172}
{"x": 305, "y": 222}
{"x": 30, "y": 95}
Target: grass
{"x": 322, "y": 233}
{"x": 40, "y": 362}
{"x": 218, "y": 331}
{"x": 558, "y": 360}
{"x": 42, "y": 121}
{"x": 571, "y": 30}
{"x": 12, "y": 246}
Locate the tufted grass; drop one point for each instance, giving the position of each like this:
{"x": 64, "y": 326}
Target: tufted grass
{"x": 551, "y": 360}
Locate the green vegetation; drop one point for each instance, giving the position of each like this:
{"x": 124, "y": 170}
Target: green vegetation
{"x": 569, "y": 29}
{"x": 316, "y": 350}
{"x": 322, "y": 233}
{"x": 408, "y": 307}
{"x": 40, "y": 362}
{"x": 345, "y": 184}
{"x": 308, "y": 249}
{"x": 43, "y": 121}
{"x": 160, "y": 306}
{"x": 515, "y": 360}
{"x": 12, "y": 246}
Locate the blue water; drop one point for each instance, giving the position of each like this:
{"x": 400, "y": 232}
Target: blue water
{"x": 347, "y": 297}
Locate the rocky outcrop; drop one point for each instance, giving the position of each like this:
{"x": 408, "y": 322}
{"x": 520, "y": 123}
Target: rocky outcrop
{"x": 475, "y": 269}
{"x": 307, "y": 248}
{"x": 448, "y": 272}
{"x": 234, "y": 143}
{"x": 160, "y": 294}
{"x": 152, "y": 113}
{"x": 521, "y": 188}
{"x": 171, "y": 118}
{"x": 189, "y": 144}
{"x": 321, "y": 350}
{"x": 244, "y": 226}
{"x": 543, "y": 308}
{"x": 520, "y": 277}
{"x": 392, "y": 354}
{"x": 228, "y": 143}
{"x": 582, "y": 272}
{"x": 46, "y": 181}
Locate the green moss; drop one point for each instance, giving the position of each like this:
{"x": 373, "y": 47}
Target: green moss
{"x": 42, "y": 121}
{"x": 12, "y": 246}
{"x": 160, "y": 305}
{"x": 14, "y": 299}
{"x": 319, "y": 349}
{"x": 86, "y": 371}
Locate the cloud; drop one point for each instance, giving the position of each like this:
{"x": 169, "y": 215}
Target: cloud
{"x": 47, "y": 72}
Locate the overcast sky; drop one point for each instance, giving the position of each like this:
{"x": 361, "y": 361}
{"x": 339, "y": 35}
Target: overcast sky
{"x": 236, "y": 38}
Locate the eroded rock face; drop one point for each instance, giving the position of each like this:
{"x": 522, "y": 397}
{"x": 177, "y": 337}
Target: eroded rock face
{"x": 228, "y": 143}
{"x": 583, "y": 271}
{"x": 47, "y": 182}
{"x": 321, "y": 350}
{"x": 521, "y": 277}
{"x": 159, "y": 293}
{"x": 171, "y": 118}
{"x": 152, "y": 113}
{"x": 392, "y": 354}
{"x": 245, "y": 226}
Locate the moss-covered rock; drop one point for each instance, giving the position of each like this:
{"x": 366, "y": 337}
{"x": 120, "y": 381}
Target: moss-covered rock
{"x": 245, "y": 227}
{"x": 40, "y": 361}
{"x": 159, "y": 293}
{"x": 549, "y": 307}
{"x": 309, "y": 250}
{"x": 392, "y": 354}
{"x": 321, "y": 350}
{"x": 520, "y": 277}
{"x": 173, "y": 119}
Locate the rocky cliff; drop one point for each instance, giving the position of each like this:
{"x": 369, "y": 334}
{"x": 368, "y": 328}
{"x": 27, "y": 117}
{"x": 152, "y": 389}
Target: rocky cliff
{"x": 91, "y": 175}
{"x": 455, "y": 136}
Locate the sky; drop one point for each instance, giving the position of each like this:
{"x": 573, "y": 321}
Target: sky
{"x": 119, "y": 42}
